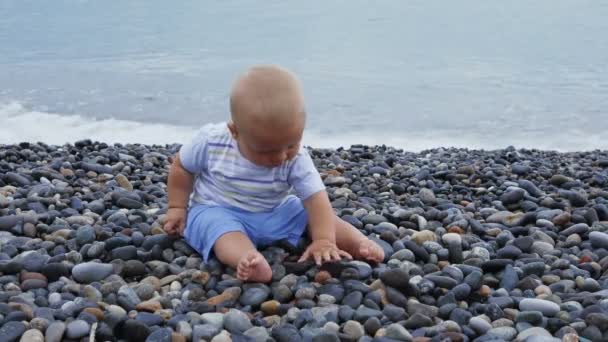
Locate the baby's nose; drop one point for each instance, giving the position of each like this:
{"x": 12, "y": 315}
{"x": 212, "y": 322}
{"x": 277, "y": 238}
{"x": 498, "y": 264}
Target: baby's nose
{"x": 280, "y": 157}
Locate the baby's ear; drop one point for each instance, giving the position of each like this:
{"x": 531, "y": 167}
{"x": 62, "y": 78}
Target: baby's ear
{"x": 232, "y": 129}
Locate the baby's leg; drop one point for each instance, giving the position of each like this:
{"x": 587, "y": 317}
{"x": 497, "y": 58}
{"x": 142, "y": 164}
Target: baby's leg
{"x": 236, "y": 250}
{"x": 351, "y": 240}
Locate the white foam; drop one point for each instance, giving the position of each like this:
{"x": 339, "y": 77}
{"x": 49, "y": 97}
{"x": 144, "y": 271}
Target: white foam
{"x": 18, "y": 124}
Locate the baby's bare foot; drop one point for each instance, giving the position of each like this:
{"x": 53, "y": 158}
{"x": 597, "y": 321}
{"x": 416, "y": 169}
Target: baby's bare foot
{"x": 253, "y": 268}
{"x": 370, "y": 251}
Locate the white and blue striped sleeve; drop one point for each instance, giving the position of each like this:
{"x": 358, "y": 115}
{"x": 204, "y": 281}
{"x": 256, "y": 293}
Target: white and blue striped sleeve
{"x": 193, "y": 154}
{"x": 304, "y": 176}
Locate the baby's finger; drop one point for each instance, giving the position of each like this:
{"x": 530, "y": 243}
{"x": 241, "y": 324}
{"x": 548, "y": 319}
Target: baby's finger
{"x": 305, "y": 256}
{"x": 326, "y": 256}
{"x": 181, "y": 228}
{"x": 335, "y": 256}
{"x": 344, "y": 254}
{"x": 318, "y": 258}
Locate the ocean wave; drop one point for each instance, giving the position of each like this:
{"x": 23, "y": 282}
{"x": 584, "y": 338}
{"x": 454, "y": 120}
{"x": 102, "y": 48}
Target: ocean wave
{"x": 20, "y": 124}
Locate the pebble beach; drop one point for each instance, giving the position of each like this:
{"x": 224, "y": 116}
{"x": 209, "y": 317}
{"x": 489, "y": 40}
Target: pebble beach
{"x": 501, "y": 245}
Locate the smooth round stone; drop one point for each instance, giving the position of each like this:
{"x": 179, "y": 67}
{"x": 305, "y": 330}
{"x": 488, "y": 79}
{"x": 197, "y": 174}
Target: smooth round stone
{"x": 598, "y": 239}
{"x": 32, "y": 335}
{"x": 461, "y": 291}
{"x": 451, "y": 238}
{"x": 184, "y": 328}
{"x": 306, "y": 293}
{"x": 236, "y": 322}
{"x": 537, "y": 268}
{"x": 505, "y": 333}
{"x": 534, "y": 331}
{"x": 133, "y": 330}
{"x": 204, "y": 331}
{"x": 133, "y": 268}
{"x": 353, "y": 299}
{"x": 474, "y": 279}
{"x": 128, "y": 298}
{"x": 548, "y": 308}
{"x": 91, "y": 271}
{"x": 398, "y": 332}
{"x": 541, "y": 247}
{"x": 124, "y": 253}
{"x": 480, "y": 325}
{"x": 54, "y": 332}
{"x": 39, "y": 323}
{"x": 254, "y": 296}
{"x": 530, "y": 317}
{"x": 363, "y": 313}
{"x": 149, "y": 319}
{"x": 258, "y": 334}
{"x": 214, "y": 318}
{"x": 509, "y": 252}
{"x": 353, "y": 329}
{"x": 424, "y": 236}
{"x": 427, "y": 196}
{"x": 396, "y": 277}
{"x": 31, "y": 284}
{"x": 373, "y": 219}
{"x": 77, "y": 329}
{"x": 85, "y": 234}
{"x": 372, "y": 325}
{"x": 11, "y": 331}
{"x": 160, "y": 335}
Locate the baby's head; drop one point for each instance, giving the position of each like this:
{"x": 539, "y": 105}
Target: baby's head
{"x": 268, "y": 115}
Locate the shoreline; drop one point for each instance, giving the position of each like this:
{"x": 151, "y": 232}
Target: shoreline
{"x": 481, "y": 245}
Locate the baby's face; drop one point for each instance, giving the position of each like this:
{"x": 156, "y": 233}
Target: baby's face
{"x": 271, "y": 146}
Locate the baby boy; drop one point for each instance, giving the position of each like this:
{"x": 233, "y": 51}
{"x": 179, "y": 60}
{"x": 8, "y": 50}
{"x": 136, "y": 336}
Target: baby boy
{"x": 247, "y": 183}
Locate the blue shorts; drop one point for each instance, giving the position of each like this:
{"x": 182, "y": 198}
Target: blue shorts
{"x": 206, "y": 224}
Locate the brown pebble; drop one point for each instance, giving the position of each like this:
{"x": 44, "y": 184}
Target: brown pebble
{"x": 456, "y": 229}
{"x": 270, "y": 307}
{"x": 570, "y": 338}
{"x": 95, "y": 312}
{"x": 26, "y": 309}
{"x": 33, "y": 284}
{"x": 485, "y": 291}
{"x": 322, "y": 277}
{"x": 200, "y": 277}
{"x": 442, "y": 264}
{"x": 149, "y": 306}
{"x": 421, "y": 339}
{"x": 175, "y": 337}
{"x": 32, "y": 275}
{"x": 230, "y": 294}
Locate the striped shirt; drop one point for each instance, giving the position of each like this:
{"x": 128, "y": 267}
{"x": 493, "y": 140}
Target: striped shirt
{"x": 223, "y": 177}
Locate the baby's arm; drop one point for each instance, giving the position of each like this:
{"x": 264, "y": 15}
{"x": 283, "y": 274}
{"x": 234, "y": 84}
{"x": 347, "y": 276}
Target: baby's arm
{"x": 322, "y": 230}
{"x": 320, "y": 217}
{"x": 180, "y": 184}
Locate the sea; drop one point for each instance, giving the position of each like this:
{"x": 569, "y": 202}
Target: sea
{"x": 414, "y": 74}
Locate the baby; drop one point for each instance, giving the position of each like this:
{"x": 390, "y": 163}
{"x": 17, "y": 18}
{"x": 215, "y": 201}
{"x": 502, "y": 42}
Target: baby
{"x": 231, "y": 189}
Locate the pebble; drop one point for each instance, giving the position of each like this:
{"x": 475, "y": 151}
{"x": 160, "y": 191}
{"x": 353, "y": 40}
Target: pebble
{"x": 508, "y": 243}
{"x": 353, "y": 329}
{"x": 546, "y": 307}
{"x": 11, "y": 331}
{"x": 54, "y": 332}
{"x": 236, "y": 322}
{"x": 32, "y": 335}
{"x": 91, "y": 271}
{"x": 77, "y": 329}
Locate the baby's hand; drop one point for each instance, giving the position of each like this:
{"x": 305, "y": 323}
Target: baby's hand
{"x": 175, "y": 221}
{"x": 323, "y": 251}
